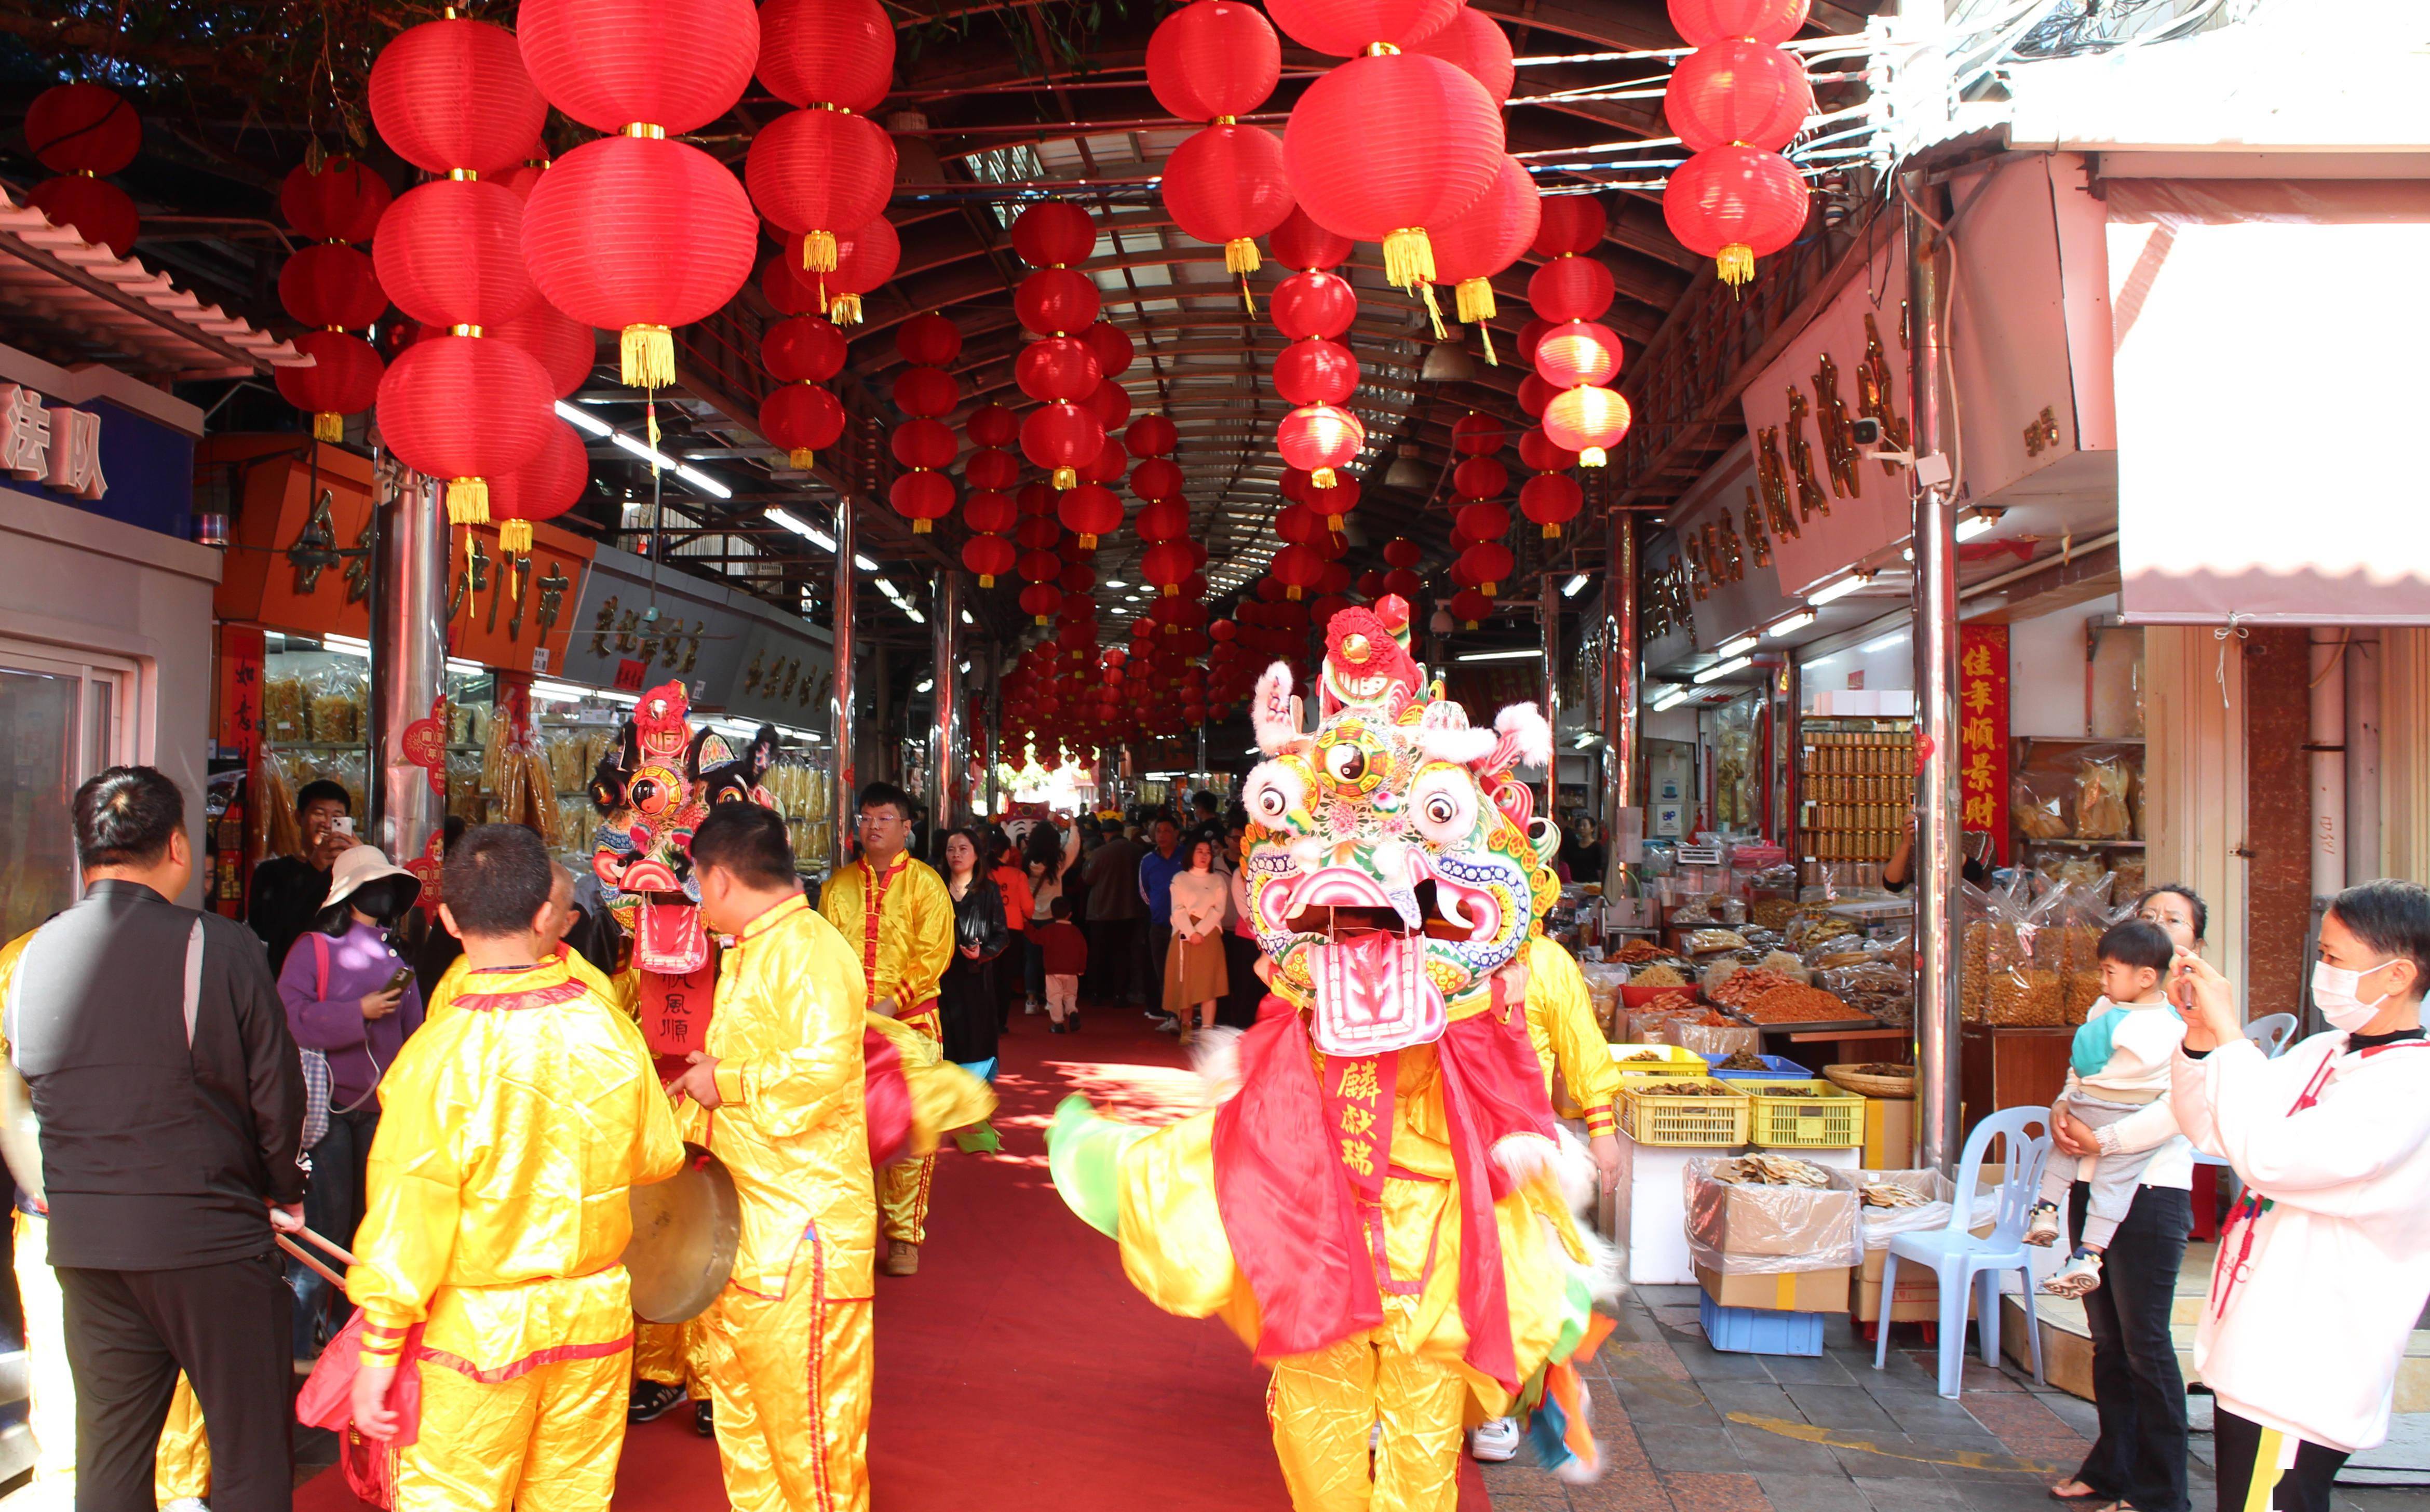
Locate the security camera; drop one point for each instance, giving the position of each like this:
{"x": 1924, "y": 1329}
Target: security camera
{"x": 1865, "y": 432}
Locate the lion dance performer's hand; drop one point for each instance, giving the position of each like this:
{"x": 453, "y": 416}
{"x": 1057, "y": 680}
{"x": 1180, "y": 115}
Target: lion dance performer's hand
{"x": 373, "y": 1415}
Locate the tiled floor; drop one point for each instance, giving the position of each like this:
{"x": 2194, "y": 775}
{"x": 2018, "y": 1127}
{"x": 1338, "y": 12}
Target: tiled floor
{"x": 1687, "y": 1428}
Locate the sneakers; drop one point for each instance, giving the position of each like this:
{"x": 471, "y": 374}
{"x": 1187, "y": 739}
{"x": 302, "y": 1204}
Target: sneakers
{"x": 2081, "y": 1273}
{"x": 902, "y": 1259}
{"x": 2041, "y": 1223}
{"x": 187, "y": 1504}
{"x": 1056, "y": 1028}
{"x": 704, "y": 1418}
{"x": 1494, "y": 1440}
{"x": 1168, "y": 1024}
{"x": 1030, "y": 1005}
{"x": 652, "y": 1399}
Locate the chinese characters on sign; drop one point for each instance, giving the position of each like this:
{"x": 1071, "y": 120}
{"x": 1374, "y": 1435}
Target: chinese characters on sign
{"x": 53, "y": 445}
{"x": 1983, "y": 731}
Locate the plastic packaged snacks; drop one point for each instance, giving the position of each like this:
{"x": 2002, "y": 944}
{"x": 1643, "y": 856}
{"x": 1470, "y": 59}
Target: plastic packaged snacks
{"x": 1657, "y": 975}
{"x": 1798, "y": 1004}
{"x": 2038, "y": 816}
{"x": 1884, "y": 992}
{"x": 285, "y": 718}
{"x": 2104, "y": 788}
{"x": 1745, "y": 985}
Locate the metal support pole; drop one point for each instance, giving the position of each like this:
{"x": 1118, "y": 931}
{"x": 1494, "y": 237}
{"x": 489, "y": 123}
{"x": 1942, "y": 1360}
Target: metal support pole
{"x": 844, "y": 803}
{"x": 1548, "y": 622}
{"x": 1938, "y": 1133}
{"x": 1618, "y": 714}
{"x": 409, "y": 565}
{"x": 994, "y": 722}
{"x": 944, "y": 776}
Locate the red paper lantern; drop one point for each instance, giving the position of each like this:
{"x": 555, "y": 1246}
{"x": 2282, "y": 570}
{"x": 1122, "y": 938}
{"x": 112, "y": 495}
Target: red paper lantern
{"x": 1479, "y": 478}
{"x": 1166, "y": 565}
{"x": 1736, "y": 91}
{"x": 1571, "y": 288}
{"x": 781, "y": 280}
{"x": 1475, "y": 435}
{"x": 450, "y": 253}
{"x": 1226, "y": 186}
{"x": 988, "y": 511}
{"x": 1062, "y": 439}
{"x": 928, "y": 339}
{"x": 803, "y": 349}
{"x": 1588, "y": 422}
{"x": 993, "y": 469}
{"x": 565, "y": 348}
{"x": 1321, "y": 437}
{"x": 1300, "y": 242}
{"x": 1316, "y": 372}
{"x": 1318, "y": 304}
{"x": 923, "y": 443}
{"x": 99, "y": 211}
{"x": 1571, "y": 225}
{"x": 1534, "y": 394}
{"x": 341, "y": 201}
{"x": 866, "y": 257}
{"x": 1578, "y": 352}
{"x": 1040, "y": 600}
{"x": 1703, "y": 23}
{"x": 826, "y": 52}
{"x": 1404, "y": 582}
{"x": 1298, "y": 569}
{"x": 1107, "y": 465}
{"x": 1054, "y": 234}
{"x": 1040, "y": 566}
{"x": 1477, "y": 46}
{"x": 542, "y": 489}
{"x": 673, "y": 64}
{"x": 1037, "y": 532}
{"x": 344, "y": 381}
{"x": 803, "y": 418}
{"x": 820, "y": 173}
{"x": 82, "y": 128}
{"x": 1212, "y": 58}
{"x": 1165, "y": 519}
{"x": 1536, "y": 451}
{"x": 1089, "y": 511}
{"x": 928, "y": 392}
{"x": 921, "y": 497}
{"x": 1037, "y": 499}
{"x": 639, "y": 235}
{"x": 1487, "y": 238}
{"x": 1155, "y": 435}
{"x": 1157, "y": 477}
{"x": 1059, "y": 369}
{"x": 1055, "y": 301}
{"x": 1300, "y": 526}
{"x": 1112, "y": 345}
{"x": 465, "y": 410}
{"x": 1401, "y": 551}
{"x": 1384, "y": 146}
{"x": 1370, "y": 584}
{"x": 1734, "y": 205}
{"x": 1482, "y": 522}
{"x": 332, "y": 285}
{"x": 453, "y": 94}
{"x": 1529, "y": 334}
{"x": 1468, "y": 606}
{"x": 1552, "y": 501}
{"x": 989, "y": 557}
{"x": 1111, "y": 402}
{"x": 1346, "y": 28}
{"x": 992, "y": 426}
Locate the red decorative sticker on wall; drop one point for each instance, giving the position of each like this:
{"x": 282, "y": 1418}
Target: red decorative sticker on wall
{"x": 1983, "y": 731}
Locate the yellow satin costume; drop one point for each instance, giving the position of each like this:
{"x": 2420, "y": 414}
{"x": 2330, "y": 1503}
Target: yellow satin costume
{"x": 450, "y": 984}
{"x": 1407, "y": 1374}
{"x": 512, "y": 1129}
{"x": 1561, "y": 1025}
{"x": 181, "y": 1464}
{"x": 900, "y": 926}
{"x": 788, "y": 1344}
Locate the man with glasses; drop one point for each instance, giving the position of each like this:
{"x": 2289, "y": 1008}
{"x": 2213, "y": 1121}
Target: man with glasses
{"x": 896, "y": 913}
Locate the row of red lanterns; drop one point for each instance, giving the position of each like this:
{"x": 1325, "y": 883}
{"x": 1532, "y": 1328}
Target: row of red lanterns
{"x": 82, "y": 131}
{"x": 332, "y": 290}
{"x": 1735, "y": 103}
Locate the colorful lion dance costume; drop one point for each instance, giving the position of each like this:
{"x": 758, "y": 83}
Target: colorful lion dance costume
{"x": 1374, "y": 1210}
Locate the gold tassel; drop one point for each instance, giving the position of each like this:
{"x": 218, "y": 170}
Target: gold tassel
{"x": 800, "y": 459}
{"x": 1552, "y": 532}
{"x": 1173, "y": 590}
{"x": 1485, "y": 334}
{"x": 1241, "y": 255}
{"x": 1487, "y": 590}
{"x": 1426, "y": 297}
{"x": 844, "y": 309}
{"x": 1292, "y": 593}
{"x": 819, "y": 251}
{"x": 648, "y": 356}
{"x": 1039, "y": 618}
{"x": 1735, "y": 263}
{"x": 1087, "y": 543}
{"x": 1475, "y": 299}
{"x": 1322, "y": 478}
{"x": 986, "y": 580}
{"x": 1469, "y": 625}
{"x": 1248, "y": 297}
{"x": 1410, "y": 258}
{"x": 329, "y": 428}
{"x": 1591, "y": 457}
{"x": 919, "y": 527}
{"x": 515, "y": 537}
{"x": 467, "y": 502}
{"x": 1332, "y": 522}
{"x": 1066, "y": 477}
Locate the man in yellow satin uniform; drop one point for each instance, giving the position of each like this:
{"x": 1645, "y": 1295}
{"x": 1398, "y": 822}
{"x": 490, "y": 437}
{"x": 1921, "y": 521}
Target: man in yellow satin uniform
{"x": 788, "y": 1344}
{"x": 896, "y": 916}
{"x": 181, "y": 1465}
{"x": 510, "y": 1133}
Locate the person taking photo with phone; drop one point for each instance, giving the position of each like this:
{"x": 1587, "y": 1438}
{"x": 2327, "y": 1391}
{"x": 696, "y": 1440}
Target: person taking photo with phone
{"x": 289, "y": 891}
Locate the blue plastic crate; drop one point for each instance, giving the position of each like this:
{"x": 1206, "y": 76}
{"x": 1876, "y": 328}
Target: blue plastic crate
{"x": 1759, "y": 1330}
{"x": 1775, "y": 1067}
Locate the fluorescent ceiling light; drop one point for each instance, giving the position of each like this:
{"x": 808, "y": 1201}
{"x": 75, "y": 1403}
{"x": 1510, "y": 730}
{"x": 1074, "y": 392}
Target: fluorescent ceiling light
{"x": 649, "y": 454}
{"x": 1116, "y": 582}
{"x": 1895, "y": 638}
{"x": 584, "y": 419}
{"x": 469, "y": 669}
{"x": 350, "y": 645}
{"x": 1569, "y": 588}
{"x": 1676, "y": 696}
{"x": 800, "y": 527}
{"x": 926, "y": 685}
{"x": 966, "y": 618}
{"x": 1789, "y": 624}
{"x": 1831, "y": 592}
{"x": 1974, "y": 526}
{"x": 1738, "y": 643}
{"x": 1722, "y": 668}
{"x": 1585, "y": 738}
{"x": 1497, "y": 655}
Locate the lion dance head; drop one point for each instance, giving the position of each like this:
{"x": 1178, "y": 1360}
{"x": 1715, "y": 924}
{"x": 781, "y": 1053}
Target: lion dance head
{"x": 1393, "y": 863}
{"x": 652, "y": 790}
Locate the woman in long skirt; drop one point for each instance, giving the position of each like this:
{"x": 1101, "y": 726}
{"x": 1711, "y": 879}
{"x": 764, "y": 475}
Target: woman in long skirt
{"x": 1194, "y": 973}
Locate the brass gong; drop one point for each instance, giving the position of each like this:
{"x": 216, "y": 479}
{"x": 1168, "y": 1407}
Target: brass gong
{"x": 686, "y": 1230}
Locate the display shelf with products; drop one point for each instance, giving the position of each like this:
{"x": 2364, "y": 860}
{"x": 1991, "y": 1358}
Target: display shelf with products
{"x": 2076, "y": 808}
{"x": 1856, "y": 787}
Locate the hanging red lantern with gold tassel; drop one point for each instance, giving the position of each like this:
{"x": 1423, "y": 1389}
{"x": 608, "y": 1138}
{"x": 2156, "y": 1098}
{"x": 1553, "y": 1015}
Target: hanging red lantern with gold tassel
{"x": 333, "y": 288}
{"x": 81, "y": 132}
{"x": 1213, "y": 62}
{"x": 1484, "y": 239}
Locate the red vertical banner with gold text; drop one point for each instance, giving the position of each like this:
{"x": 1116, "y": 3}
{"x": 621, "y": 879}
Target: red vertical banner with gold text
{"x": 242, "y": 648}
{"x": 1983, "y": 731}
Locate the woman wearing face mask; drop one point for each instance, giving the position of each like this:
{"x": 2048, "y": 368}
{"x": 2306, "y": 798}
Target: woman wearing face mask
{"x": 351, "y": 1001}
{"x": 2324, "y": 1262}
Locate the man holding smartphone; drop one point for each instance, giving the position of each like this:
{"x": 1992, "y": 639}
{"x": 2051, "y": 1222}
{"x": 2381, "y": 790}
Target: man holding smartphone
{"x": 289, "y": 892}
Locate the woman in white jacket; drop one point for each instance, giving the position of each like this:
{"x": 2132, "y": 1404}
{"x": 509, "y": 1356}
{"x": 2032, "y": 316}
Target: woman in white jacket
{"x": 2325, "y": 1263}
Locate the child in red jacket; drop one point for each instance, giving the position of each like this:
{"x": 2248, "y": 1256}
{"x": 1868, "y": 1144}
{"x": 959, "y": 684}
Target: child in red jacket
{"x": 1065, "y": 953}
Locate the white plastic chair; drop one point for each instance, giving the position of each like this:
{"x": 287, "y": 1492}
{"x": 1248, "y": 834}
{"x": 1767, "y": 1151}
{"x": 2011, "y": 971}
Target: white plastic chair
{"x": 2271, "y": 1032}
{"x": 1966, "y": 1264}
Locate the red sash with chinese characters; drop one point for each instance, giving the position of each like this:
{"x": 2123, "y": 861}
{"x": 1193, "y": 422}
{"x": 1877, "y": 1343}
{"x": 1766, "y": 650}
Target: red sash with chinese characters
{"x": 1358, "y": 1113}
{"x": 675, "y": 1012}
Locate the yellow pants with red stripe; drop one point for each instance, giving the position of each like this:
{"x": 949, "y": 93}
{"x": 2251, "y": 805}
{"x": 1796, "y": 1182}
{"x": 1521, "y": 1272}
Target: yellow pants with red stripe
{"x": 670, "y": 1355}
{"x": 1321, "y": 1406}
{"x": 791, "y": 1379}
{"x": 903, "y": 1186}
{"x": 545, "y": 1441}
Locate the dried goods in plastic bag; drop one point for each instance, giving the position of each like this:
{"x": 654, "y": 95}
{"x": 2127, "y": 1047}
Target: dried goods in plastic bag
{"x": 2104, "y": 785}
{"x": 2038, "y": 816}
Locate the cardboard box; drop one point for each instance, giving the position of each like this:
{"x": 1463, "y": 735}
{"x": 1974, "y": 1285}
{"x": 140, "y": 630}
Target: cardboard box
{"x": 1890, "y": 1132}
{"x": 1739, "y": 1219}
{"x": 1779, "y": 1290}
{"x": 1918, "y": 1298}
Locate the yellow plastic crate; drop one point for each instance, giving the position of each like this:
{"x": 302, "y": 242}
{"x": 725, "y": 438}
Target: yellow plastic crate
{"x": 1650, "y": 1117}
{"x": 1833, "y": 1120}
{"x": 1668, "y": 1060}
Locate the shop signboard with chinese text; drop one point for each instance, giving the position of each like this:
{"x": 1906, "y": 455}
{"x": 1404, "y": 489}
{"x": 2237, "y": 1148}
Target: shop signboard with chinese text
{"x": 98, "y": 439}
{"x": 1983, "y": 731}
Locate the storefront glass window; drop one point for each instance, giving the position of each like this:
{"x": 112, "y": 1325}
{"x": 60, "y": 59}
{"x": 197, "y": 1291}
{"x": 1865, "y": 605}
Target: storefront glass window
{"x": 37, "y": 854}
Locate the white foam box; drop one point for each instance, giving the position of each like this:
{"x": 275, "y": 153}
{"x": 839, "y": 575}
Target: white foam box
{"x": 1650, "y": 1209}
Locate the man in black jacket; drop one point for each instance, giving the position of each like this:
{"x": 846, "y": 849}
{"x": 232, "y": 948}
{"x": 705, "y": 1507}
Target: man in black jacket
{"x": 288, "y": 890}
{"x": 172, "y": 1105}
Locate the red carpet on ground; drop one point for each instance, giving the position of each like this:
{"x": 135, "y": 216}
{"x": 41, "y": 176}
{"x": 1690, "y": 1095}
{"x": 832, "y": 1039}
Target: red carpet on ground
{"x": 1020, "y": 1371}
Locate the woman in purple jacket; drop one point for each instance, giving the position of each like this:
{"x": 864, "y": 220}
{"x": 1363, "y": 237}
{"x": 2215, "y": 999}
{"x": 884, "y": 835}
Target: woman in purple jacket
{"x": 351, "y": 1001}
